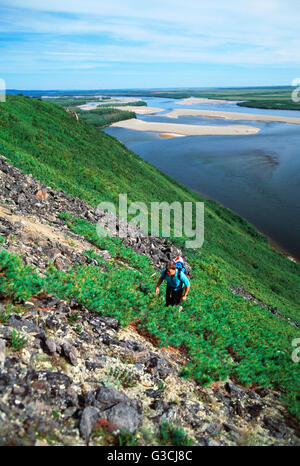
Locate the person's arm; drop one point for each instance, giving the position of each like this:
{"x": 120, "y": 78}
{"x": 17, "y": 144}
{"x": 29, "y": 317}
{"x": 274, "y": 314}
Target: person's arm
{"x": 187, "y": 286}
{"x": 187, "y": 289}
{"x": 159, "y": 282}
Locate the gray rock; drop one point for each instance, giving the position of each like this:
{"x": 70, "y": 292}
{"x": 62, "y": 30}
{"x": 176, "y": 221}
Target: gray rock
{"x": 50, "y": 345}
{"x": 238, "y": 408}
{"x": 108, "y": 340}
{"x": 158, "y": 365}
{"x": 91, "y": 366}
{"x": 107, "y": 397}
{"x": 213, "y": 429}
{"x": 69, "y": 412}
{"x": 19, "y": 225}
{"x": 230, "y": 428}
{"x": 88, "y": 421}
{"x": 124, "y": 416}
{"x": 70, "y": 353}
{"x": 255, "y": 409}
{"x": 57, "y": 380}
{"x": 118, "y": 408}
{"x": 234, "y": 390}
{"x": 275, "y": 428}
{"x": 153, "y": 393}
{"x": 52, "y": 323}
{"x": 52, "y": 253}
{"x": 204, "y": 442}
{"x": 132, "y": 345}
{"x": 62, "y": 263}
{"x": 2, "y": 353}
{"x": 23, "y": 325}
{"x": 22, "y": 199}
{"x": 102, "y": 322}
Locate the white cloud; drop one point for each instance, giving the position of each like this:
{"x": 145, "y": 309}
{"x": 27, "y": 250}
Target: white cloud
{"x": 236, "y": 31}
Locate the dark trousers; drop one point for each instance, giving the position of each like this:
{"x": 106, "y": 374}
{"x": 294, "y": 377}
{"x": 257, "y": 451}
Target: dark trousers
{"x": 173, "y": 297}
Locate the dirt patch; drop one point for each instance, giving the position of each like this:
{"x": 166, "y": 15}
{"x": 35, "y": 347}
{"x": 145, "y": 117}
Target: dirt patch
{"x": 32, "y": 226}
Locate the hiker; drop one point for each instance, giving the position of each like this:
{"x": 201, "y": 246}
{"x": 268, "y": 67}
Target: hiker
{"x": 178, "y": 284}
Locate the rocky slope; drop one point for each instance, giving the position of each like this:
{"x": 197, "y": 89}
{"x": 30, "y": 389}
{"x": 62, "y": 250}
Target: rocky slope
{"x": 79, "y": 378}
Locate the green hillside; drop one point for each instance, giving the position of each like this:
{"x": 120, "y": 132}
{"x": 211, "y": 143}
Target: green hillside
{"x": 227, "y": 335}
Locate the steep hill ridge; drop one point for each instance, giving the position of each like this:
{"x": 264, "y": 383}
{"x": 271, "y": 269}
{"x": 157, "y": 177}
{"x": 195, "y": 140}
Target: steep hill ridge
{"x": 82, "y": 379}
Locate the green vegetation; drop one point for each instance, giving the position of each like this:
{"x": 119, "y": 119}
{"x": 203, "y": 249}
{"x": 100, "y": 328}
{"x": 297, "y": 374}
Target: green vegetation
{"x": 55, "y": 414}
{"x": 223, "y": 334}
{"x": 5, "y": 315}
{"x": 139, "y": 103}
{"x": 104, "y": 116}
{"x": 125, "y": 438}
{"x": 71, "y": 101}
{"x": 101, "y": 116}
{"x": 17, "y": 341}
{"x": 170, "y": 435}
{"x": 105, "y": 433}
{"x": 73, "y": 317}
{"x": 122, "y": 377}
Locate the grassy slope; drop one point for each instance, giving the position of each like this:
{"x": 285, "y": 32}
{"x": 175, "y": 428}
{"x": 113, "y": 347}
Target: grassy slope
{"x": 44, "y": 140}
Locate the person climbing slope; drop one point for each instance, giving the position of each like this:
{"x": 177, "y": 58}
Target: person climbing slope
{"x": 178, "y": 284}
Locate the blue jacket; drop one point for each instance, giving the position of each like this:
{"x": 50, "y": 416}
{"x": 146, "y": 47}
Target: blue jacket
{"x": 174, "y": 282}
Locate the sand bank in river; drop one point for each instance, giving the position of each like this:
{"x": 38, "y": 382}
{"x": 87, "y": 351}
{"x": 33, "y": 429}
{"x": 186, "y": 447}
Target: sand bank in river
{"x": 170, "y": 135}
{"x": 177, "y": 130}
{"x": 202, "y": 100}
{"x": 231, "y": 115}
{"x": 112, "y": 102}
{"x": 139, "y": 109}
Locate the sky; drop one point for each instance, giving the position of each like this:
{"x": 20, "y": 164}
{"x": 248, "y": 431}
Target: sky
{"x": 119, "y": 44}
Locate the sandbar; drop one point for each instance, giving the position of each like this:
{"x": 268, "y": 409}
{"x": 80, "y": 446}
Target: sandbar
{"x": 185, "y": 130}
{"x": 89, "y": 106}
{"x": 112, "y": 102}
{"x": 139, "y": 109}
{"x": 231, "y": 115}
{"x": 170, "y": 135}
{"x": 203, "y": 100}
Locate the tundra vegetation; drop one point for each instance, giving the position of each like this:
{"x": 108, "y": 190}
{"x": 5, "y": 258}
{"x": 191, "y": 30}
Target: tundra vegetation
{"x": 104, "y": 116}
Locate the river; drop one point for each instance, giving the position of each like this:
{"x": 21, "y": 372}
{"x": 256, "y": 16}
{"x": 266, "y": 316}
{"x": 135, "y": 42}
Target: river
{"x": 256, "y": 176}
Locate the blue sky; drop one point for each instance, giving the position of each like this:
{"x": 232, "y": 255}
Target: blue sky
{"x": 96, "y": 44}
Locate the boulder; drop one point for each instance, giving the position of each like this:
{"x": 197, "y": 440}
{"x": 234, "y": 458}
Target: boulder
{"x": 88, "y": 421}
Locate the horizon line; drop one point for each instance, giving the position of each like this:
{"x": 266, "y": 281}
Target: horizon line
{"x": 152, "y": 88}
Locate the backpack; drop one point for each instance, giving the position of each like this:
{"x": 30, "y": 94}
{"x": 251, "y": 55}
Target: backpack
{"x": 180, "y": 267}
{"x": 179, "y": 264}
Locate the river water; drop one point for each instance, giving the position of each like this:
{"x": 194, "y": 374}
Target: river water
{"x": 256, "y": 176}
